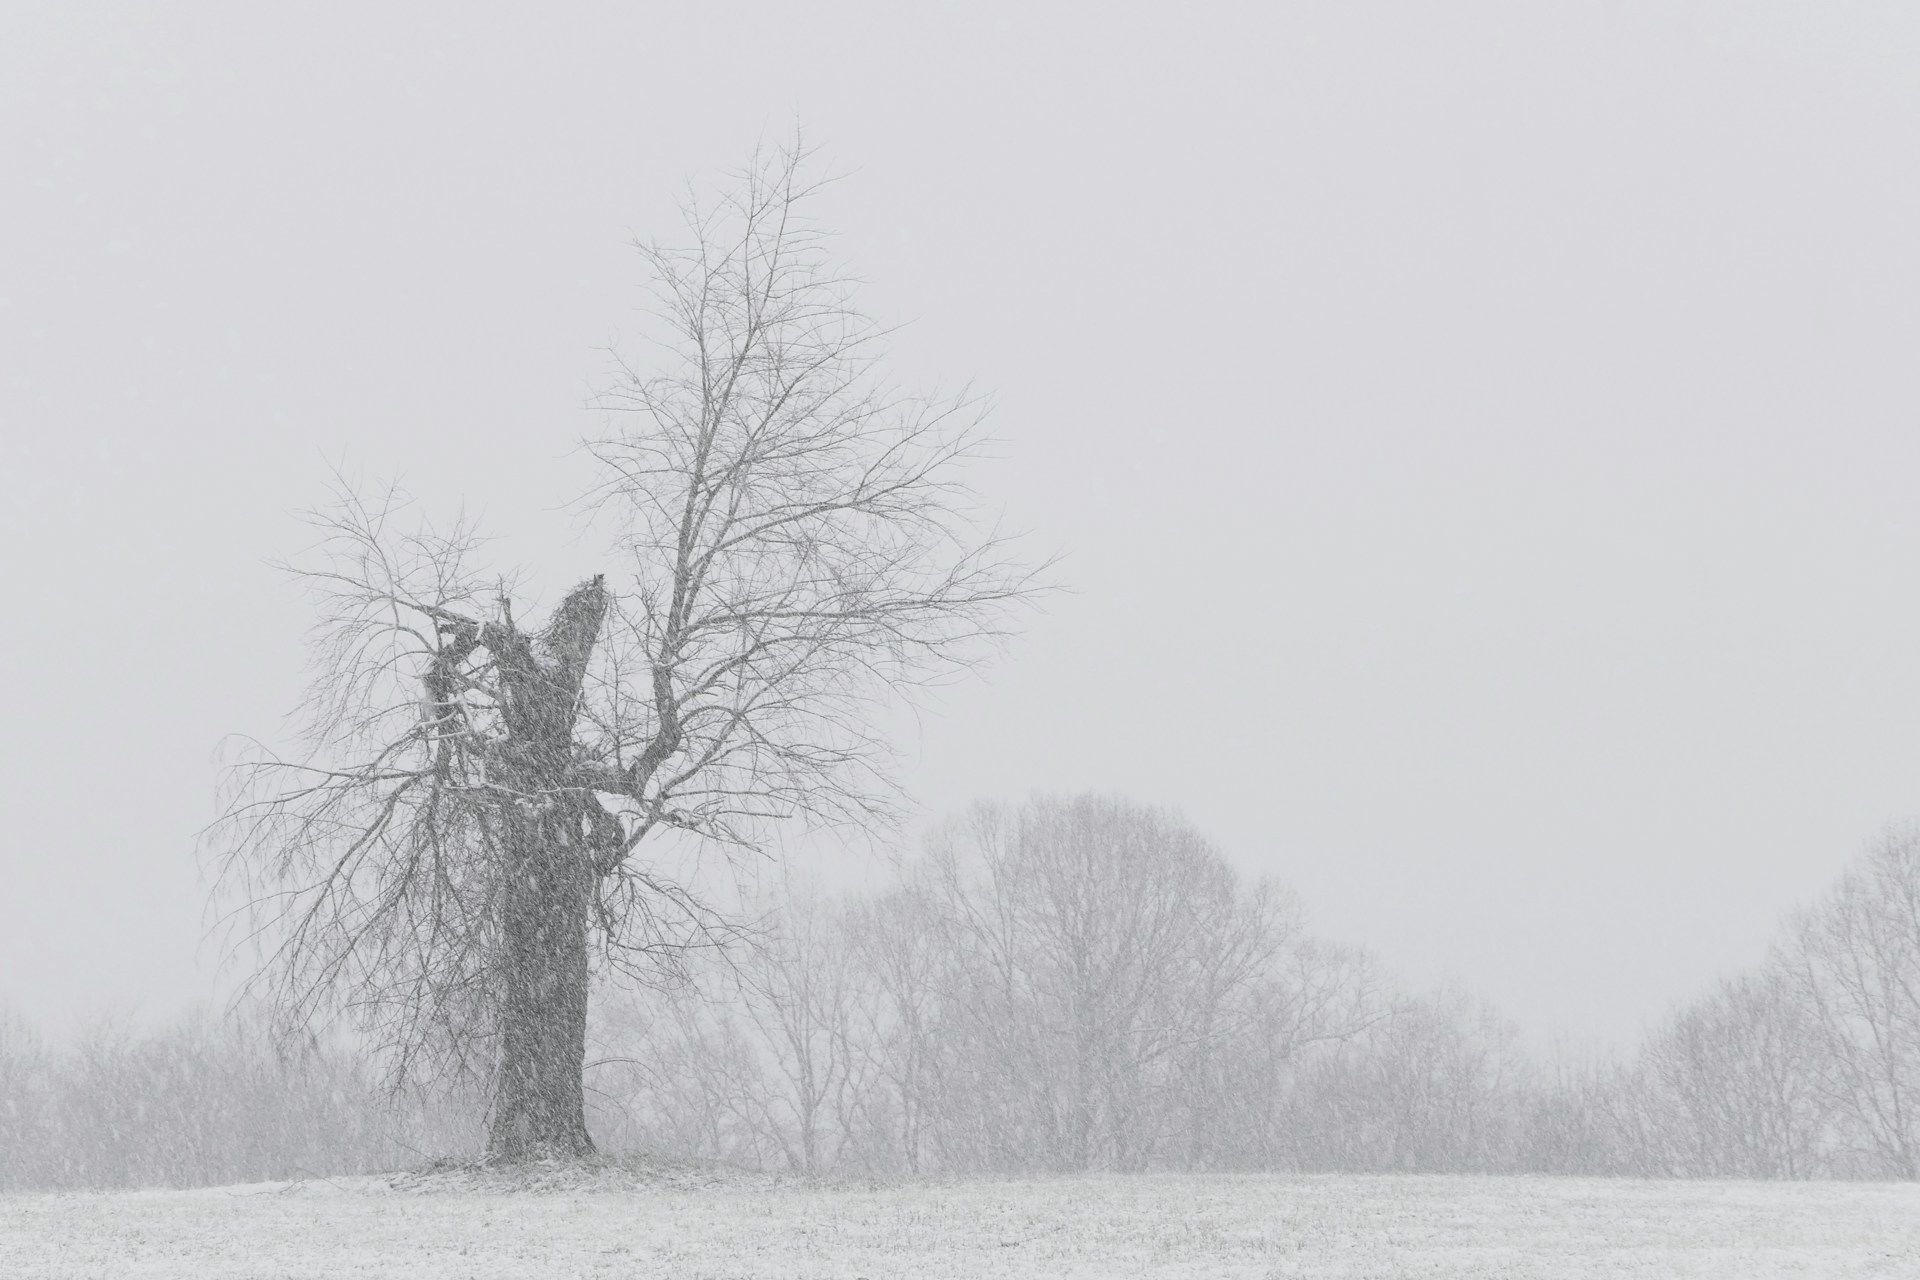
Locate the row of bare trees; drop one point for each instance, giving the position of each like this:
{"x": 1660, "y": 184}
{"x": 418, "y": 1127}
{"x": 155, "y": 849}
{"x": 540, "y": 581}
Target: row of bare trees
{"x": 203, "y": 1100}
{"x": 1074, "y": 983}
{"x": 1085, "y": 983}
{"x": 1806, "y": 1066}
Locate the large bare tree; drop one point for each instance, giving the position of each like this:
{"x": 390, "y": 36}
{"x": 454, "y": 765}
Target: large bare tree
{"x": 459, "y": 836}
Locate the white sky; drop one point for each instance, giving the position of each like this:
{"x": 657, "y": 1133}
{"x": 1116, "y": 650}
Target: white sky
{"x": 1483, "y": 436}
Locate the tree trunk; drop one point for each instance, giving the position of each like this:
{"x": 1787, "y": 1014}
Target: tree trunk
{"x": 539, "y": 1102}
{"x": 548, "y": 879}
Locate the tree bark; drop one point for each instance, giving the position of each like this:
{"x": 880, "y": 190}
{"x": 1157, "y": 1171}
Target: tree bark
{"x": 539, "y": 1104}
{"x": 548, "y": 879}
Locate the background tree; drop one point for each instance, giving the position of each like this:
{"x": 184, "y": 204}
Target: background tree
{"x": 1852, "y": 965}
{"x": 199, "y": 1100}
{"x": 1431, "y": 1088}
{"x": 455, "y": 842}
{"x": 1737, "y": 1075}
{"x": 1098, "y": 953}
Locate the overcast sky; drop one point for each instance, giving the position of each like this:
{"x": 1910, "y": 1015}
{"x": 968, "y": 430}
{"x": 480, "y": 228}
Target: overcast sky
{"x": 1482, "y": 437}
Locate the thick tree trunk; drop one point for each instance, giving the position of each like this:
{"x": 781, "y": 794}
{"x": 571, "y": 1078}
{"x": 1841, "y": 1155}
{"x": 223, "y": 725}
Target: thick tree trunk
{"x": 548, "y": 879}
{"x": 539, "y": 1103}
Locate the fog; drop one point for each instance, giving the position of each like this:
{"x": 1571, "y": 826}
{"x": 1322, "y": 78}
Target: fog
{"x": 1479, "y": 439}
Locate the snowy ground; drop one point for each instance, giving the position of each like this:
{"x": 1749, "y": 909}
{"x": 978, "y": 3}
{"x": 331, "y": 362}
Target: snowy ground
{"x": 1358, "y": 1227}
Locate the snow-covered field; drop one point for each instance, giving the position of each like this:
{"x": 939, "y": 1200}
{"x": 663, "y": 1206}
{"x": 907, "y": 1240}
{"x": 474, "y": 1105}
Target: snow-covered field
{"x": 1374, "y": 1228}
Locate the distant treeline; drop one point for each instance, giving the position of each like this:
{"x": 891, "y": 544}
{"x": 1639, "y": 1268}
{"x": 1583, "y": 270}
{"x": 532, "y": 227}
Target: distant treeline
{"x": 204, "y": 1101}
{"x": 1086, "y": 984}
{"x": 1808, "y": 1066}
{"x": 1070, "y": 984}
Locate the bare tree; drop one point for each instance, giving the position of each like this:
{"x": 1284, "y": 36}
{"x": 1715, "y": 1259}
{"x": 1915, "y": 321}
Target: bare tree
{"x": 758, "y": 1059}
{"x": 1853, "y": 965}
{"x": 897, "y": 940}
{"x": 1427, "y": 1089}
{"x": 456, "y": 840}
{"x": 1243, "y": 1092}
{"x": 1095, "y": 952}
{"x": 1738, "y": 1080}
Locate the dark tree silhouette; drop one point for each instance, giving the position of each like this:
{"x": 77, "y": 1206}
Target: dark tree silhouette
{"x": 452, "y": 852}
